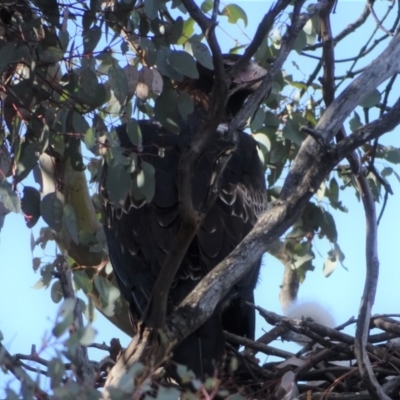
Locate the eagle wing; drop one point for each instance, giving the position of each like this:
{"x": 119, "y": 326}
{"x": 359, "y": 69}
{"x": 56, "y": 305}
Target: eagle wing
{"x": 140, "y": 233}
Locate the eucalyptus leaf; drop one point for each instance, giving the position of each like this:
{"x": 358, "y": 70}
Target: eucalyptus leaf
{"x": 118, "y": 82}
{"x": 51, "y": 209}
{"x": 91, "y": 39}
{"x": 234, "y": 13}
{"x": 9, "y": 198}
{"x": 184, "y": 63}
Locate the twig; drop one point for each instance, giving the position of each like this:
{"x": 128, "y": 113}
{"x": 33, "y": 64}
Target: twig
{"x": 263, "y": 348}
{"x": 378, "y": 23}
{"x": 373, "y": 130}
{"x": 346, "y": 31}
{"x": 14, "y": 367}
{"x": 263, "y": 29}
{"x": 255, "y": 99}
{"x": 328, "y": 88}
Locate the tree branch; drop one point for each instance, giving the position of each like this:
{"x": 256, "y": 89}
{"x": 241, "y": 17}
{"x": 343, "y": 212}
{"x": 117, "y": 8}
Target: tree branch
{"x": 371, "y": 281}
{"x": 15, "y": 368}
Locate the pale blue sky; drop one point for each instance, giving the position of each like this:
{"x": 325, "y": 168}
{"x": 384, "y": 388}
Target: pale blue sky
{"x": 26, "y": 314}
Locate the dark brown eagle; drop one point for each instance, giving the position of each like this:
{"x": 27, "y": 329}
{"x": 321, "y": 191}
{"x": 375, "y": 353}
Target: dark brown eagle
{"x": 140, "y": 234}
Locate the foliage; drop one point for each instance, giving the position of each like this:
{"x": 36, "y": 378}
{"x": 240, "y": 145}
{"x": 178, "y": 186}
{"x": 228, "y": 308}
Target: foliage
{"x": 61, "y": 89}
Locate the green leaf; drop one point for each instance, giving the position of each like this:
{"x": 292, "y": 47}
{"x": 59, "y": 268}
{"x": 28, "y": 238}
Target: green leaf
{"x": 87, "y": 336}
{"x": 5, "y": 161}
{"x": 392, "y": 154}
{"x": 184, "y": 63}
{"x": 300, "y": 260}
{"x": 328, "y": 227}
{"x": 310, "y": 28}
{"x": 118, "y": 182}
{"x": 174, "y": 31}
{"x": 27, "y": 160}
{"x": 207, "y": 6}
{"x": 36, "y": 261}
{"x": 56, "y": 292}
{"x": 386, "y": 171}
{"x": 9, "y": 198}
{"x": 67, "y": 308}
{"x": 185, "y": 104}
{"x": 11, "y": 395}
{"x": 333, "y": 191}
{"x": 30, "y": 205}
{"x": 355, "y": 122}
{"x": 151, "y": 8}
{"x": 300, "y": 42}
{"x": 63, "y": 38}
{"x": 145, "y": 180}
{"x": 329, "y": 265}
{"x": 164, "y": 65}
{"x": 201, "y": 53}
{"x": 168, "y": 393}
{"x": 165, "y": 110}
{"x": 51, "y": 209}
{"x": 321, "y": 192}
{"x": 234, "y": 13}
{"x": 187, "y": 31}
{"x": 263, "y": 141}
{"x": 56, "y": 371}
{"x": 134, "y": 133}
{"x": 62, "y": 326}
{"x": 71, "y": 223}
{"x": 90, "y": 311}
{"x": 47, "y": 276}
{"x": 82, "y": 281}
{"x": 73, "y": 151}
{"x": 91, "y": 38}
{"x": 271, "y": 119}
{"x": 3, "y": 213}
{"x": 79, "y": 123}
{"x": 7, "y": 54}
{"x": 50, "y": 10}
{"x": 108, "y": 294}
{"x": 90, "y": 141}
{"x": 371, "y": 99}
{"x": 118, "y": 82}
{"x": 291, "y": 131}
{"x": 89, "y": 81}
